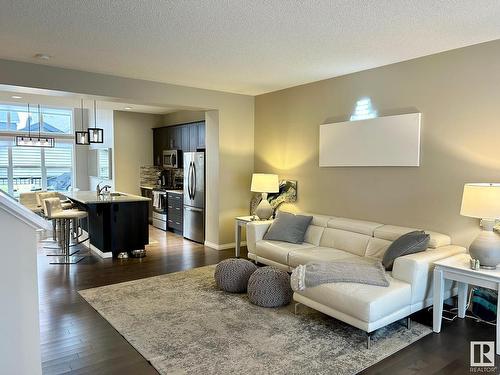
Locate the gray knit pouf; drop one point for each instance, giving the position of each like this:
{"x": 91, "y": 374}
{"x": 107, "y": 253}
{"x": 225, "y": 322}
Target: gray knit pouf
{"x": 231, "y": 275}
{"x": 269, "y": 287}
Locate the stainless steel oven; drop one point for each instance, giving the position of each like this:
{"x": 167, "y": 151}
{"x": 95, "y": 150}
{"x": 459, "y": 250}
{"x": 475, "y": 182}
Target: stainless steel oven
{"x": 172, "y": 159}
{"x": 160, "y": 209}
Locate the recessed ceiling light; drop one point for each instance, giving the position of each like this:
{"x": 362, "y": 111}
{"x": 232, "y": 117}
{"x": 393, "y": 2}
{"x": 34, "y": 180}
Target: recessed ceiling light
{"x": 16, "y": 97}
{"x": 42, "y": 56}
{"x": 128, "y": 107}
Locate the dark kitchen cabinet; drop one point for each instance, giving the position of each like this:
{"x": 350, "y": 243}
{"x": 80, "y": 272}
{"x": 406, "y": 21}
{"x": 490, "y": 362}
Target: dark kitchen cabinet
{"x": 185, "y": 137}
{"x": 170, "y": 138}
{"x": 160, "y": 143}
{"x": 201, "y": 135}
{"x": 175, "y": 212}
{"x": 156, "y": 147}
{"x": 148, "y": 193}
{"x": 193, "y": 137}
{"x": 176, "y": 138}
{"x": 118, "y": 226}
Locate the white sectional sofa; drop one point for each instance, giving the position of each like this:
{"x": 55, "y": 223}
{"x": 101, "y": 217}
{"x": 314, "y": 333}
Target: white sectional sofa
{"x": 366, "y": 307}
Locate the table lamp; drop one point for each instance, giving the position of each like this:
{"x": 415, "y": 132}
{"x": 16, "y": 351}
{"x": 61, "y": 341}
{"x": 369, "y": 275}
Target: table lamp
{"x": 483, "y": 201}
{"x": 264, "y": 183}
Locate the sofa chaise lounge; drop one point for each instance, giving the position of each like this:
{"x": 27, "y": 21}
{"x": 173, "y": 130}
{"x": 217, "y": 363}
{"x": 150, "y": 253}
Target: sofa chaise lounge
{"x": 366, "y": 307}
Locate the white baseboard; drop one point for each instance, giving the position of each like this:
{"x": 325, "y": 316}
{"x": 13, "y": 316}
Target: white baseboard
{"x": 95, "y": 250}
{"x": 223, "y": 246}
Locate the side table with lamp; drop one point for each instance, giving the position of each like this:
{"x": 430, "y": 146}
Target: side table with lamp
{"x": 261, "y": 183}
{"x": 478, "y": 268}
{"x": 457, "y": 268}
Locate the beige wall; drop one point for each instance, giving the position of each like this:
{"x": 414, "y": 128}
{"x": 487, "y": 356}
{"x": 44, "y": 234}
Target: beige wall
{"x": 457, "y": 93}
{"x": 81, "y": 155}
{"x": 133, "y": 147}
{"x": 234, "y": 127}
{"x": 182, "y": 117}
{"x": 212, "y": 179}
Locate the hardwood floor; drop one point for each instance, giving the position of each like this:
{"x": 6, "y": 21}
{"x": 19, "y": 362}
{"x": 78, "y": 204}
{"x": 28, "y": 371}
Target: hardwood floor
{"x": 76, "y": 339}
{"x": 444, "y": 353}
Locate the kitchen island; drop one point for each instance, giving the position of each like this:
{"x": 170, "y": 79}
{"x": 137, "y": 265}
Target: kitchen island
{"x": 116, "y": 222}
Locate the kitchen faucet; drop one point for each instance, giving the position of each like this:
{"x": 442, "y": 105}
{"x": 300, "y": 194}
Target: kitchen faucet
{"x": 99, "y": 189}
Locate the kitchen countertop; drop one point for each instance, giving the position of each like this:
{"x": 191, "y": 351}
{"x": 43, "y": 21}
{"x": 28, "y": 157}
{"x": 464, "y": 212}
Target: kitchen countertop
{"x": 174, "y": 191}
{"x": 90, "y": 197}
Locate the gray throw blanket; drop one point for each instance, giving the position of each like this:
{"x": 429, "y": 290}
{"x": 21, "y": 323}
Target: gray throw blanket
{"x": 362, "y": 271}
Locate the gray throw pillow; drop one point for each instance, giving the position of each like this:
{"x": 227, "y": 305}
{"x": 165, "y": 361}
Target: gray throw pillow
{"x": 409, "y": 243}
{"x": 288, "y": 227}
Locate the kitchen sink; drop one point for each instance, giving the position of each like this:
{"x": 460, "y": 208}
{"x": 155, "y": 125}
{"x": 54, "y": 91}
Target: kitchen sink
{"x": 116, "y": 194}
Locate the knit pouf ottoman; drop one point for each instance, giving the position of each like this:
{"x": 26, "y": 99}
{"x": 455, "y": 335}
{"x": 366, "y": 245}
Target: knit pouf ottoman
{"x": 269, "y": 287}
{"x": 231, "y": 275}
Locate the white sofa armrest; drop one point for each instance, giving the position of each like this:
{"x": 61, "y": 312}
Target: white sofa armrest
{"x": 417, "y": 270}
{"x": 255, "y": 232}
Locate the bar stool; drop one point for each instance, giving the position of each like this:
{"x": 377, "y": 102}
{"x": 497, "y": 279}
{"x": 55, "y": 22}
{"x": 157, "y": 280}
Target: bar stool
{"x": 64, "y": 218}
{"x": 56, "y": 230}
{"x": 66, "y": 205}
{"x": 29, "y": 200}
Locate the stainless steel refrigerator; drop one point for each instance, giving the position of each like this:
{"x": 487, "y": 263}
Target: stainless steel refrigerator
{"x": 194, "y": 196}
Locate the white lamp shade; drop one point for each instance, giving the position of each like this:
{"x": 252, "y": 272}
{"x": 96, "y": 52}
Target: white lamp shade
{"x": 481, "y": 201}
{"x": 265, "y": 183}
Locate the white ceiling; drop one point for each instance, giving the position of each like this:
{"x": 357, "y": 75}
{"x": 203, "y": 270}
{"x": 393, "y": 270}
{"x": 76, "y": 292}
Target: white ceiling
{"x": 243, "y": 46}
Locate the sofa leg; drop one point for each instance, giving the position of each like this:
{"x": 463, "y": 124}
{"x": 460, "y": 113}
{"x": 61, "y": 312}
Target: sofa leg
{"x": 408, "y": 322}
{"x": 296, "y": 307}
{"x": 368, "y": 340}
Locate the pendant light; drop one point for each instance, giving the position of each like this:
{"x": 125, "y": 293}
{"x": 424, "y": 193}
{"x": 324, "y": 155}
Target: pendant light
{"x": 21, "y": 140}
{"x": 82, "y": 137}
{"x": 96, "y": 135}
{"x": 48, "y": 142}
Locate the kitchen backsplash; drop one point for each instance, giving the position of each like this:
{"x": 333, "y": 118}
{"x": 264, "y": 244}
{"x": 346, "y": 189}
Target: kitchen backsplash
{"x": 149, "y": 175}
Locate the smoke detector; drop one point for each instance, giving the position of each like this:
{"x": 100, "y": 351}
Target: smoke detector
{"x": 42, "y": 56}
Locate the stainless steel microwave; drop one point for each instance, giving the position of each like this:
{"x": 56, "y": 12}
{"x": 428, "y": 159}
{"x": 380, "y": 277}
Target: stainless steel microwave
{"x": 172, "y": 159}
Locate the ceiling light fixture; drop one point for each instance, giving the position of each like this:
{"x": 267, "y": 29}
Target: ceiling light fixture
{"x": 47, "y": 142}
{"x": 42, "y": 56}
{"x": 96, "y": 135}
{"x": 16, "y": 97}
{"x": 82, "y": 137}
{"x": 127, "y": 108}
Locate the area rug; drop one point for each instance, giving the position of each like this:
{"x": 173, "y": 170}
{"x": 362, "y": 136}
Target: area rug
{"x": 182, "y": 324}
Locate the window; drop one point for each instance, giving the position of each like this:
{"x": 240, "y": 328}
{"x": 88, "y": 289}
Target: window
{"x": 56, "y": 121}
{"x": 25, "y": 169}
{"x": 58, "y": 163}
{"x": 15, "y": 118}
{"x": 4, "y": 166}
{"x": 103, "y": 162}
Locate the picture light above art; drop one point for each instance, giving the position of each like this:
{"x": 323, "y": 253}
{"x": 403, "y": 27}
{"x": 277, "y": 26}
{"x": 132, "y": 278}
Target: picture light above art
{"x": 363, "y": 110}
